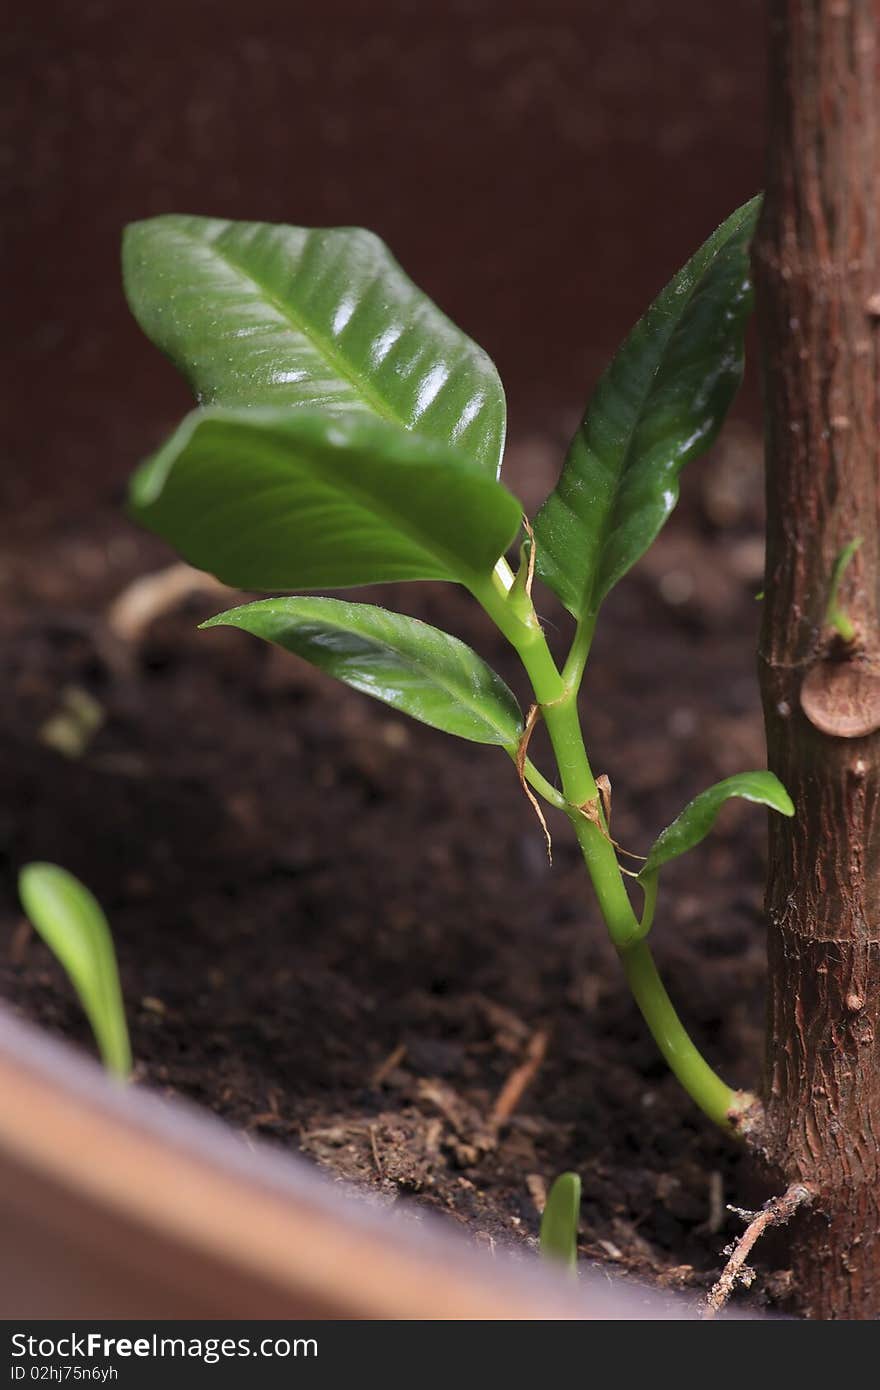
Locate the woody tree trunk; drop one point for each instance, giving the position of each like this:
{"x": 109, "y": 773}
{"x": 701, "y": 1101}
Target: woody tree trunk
{"x": 817, "y": 274}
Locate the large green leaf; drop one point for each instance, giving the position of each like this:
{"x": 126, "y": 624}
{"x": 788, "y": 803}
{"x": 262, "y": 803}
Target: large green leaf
{"x": 71, "y": 923}
{"x": 296, "y": 499}
{"x": 698, "y": 817}
{"x": 559, "y": 1222}
{"x": 414, "y": 667}
{"x": 258, "y": 314}
{"x": 658, "y": 405}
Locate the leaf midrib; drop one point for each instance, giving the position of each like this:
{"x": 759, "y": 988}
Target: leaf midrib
{"x": 458, "y": 569}
{"x": 297, "y": 323}
{"x": 589, "y": 594}
{"x": 631, "y": 433}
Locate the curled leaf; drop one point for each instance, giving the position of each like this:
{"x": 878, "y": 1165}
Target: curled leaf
{"x": 698, "y": 817}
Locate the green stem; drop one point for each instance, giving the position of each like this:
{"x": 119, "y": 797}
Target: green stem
{"x": 712, "y": 1095}
{"x": 576, "y": 661}
{"x": 539, "y": 782}
{"x": 649, "y": 888}
{"x": 604, "y": 870}
{"x": 557, "y": 696}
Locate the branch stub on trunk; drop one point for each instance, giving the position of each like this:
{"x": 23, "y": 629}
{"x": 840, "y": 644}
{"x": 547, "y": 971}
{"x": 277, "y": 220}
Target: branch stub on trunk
{"x": 842, "y": 698}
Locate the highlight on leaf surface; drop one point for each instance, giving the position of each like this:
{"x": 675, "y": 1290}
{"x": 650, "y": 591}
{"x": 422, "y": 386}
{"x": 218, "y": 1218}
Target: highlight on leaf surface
{"x": 658, "y": 405}
{"x": 559, "y": 1222}
{"x": 260, "y": 314}
{"x": 698, "y": 817}
{"x": 406, "y": 663}
{"x": 272, "y": 498}
{"x": 72, "y": 924}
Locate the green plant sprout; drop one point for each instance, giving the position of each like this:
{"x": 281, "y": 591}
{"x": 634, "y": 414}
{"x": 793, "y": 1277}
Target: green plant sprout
{"x": 73, "y": 926}
{"x": 835, "y": 616}
{"x": 559, "y": 1221}
{"x": 349, "y": 434}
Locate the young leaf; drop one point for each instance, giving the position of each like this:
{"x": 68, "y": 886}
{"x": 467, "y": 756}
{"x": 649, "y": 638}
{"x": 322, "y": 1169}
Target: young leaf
{"x": 835, "y": 616}
{"x": 698, "y": 817}
{"x": 257, "y": 314}
{"x": 273, "y": 498}
{"x": 408, "y": 664}
{"x": 659, "y": 405}
{"x": 73, "y": 926}
{"x": 559, "y": 1223}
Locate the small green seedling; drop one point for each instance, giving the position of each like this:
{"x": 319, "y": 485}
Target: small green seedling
{"x": 348, "y": 434}
{"x": 73, "y": 926}
{"x": 559, "y": 1222}
{"x": 835, "y": 616}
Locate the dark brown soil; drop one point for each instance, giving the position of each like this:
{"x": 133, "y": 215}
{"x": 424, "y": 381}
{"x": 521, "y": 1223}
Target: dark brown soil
{"x": 303, "y": 885}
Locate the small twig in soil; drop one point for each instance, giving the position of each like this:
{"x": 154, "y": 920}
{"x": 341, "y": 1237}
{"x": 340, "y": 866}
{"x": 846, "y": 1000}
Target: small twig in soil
{"x": 375, "y": 1147}
{"x": 393, "y": 1060}
{"x": 512, "y": 1091}
{"x": 21, "y": 939}
{"x": 716, "y": 1203}
{"x": 715, "y": 1220}
{"x": 537, "y": 1191}
{"x": 151, "y": 595}
{"x": 777, "y": 1212}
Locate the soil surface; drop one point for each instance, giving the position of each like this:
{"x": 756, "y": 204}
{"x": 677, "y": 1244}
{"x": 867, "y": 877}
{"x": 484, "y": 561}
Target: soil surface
{"x": 339, "y": 930}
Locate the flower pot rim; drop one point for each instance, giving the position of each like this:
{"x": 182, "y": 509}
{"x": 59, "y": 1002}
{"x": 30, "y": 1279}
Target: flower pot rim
{"x": 245, "y": 1216}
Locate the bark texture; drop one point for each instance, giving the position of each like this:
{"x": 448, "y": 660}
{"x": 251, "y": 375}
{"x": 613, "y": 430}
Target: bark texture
{"x": 817, "y": 273}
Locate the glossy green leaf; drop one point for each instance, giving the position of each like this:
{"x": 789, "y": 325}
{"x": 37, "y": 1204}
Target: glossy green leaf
{"x": 409, "y": 664}
{"x": 73, "y": 926}
{"x": 698, "y": 817}
{"x": 659, "y": 404}
{"x": 296, "y": 499}
{"x": 258, "y": 314}
{"x": 559, "y": 1223}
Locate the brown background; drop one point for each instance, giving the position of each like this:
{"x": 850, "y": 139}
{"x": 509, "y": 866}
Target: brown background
{"x": 539, "y": 168}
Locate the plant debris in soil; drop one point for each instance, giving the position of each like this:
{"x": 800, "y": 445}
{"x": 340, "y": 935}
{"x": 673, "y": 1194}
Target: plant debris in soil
{"x": 339, "y": 930}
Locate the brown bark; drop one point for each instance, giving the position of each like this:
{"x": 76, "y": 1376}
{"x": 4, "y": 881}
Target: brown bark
{"x": 817, "y": 273}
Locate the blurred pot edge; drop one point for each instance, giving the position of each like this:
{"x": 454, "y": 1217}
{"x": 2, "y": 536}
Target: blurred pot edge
{"x": 118, "y": 1203}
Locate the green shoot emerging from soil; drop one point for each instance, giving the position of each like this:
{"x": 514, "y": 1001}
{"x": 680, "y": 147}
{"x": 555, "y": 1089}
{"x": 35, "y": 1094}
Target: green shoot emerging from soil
{"x": 73, "y": 926}
{"x": 349, "y": 434}
{"x": 559, "y": 1222}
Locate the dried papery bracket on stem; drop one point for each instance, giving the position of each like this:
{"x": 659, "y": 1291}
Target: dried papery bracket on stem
{"x": 532, "y": 718}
